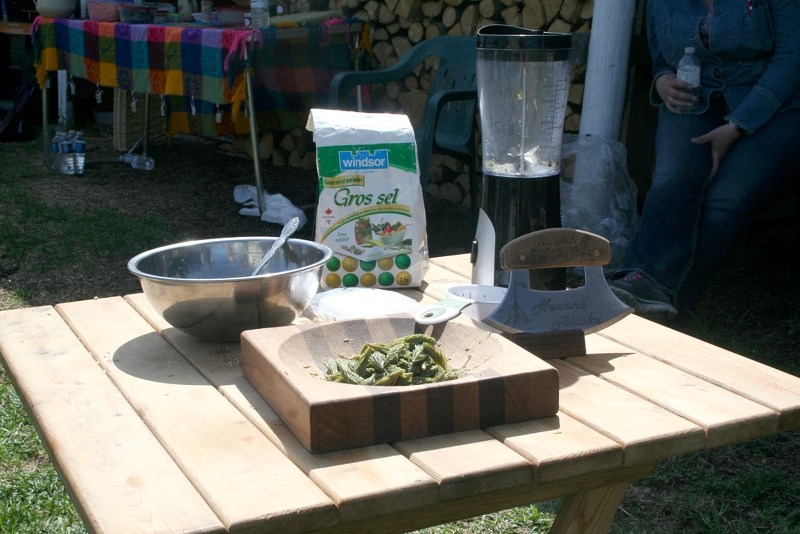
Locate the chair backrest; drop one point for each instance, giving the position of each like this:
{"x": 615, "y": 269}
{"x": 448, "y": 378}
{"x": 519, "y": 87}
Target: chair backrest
{"x": 448, "y": 120}
{"x": 456, "y": 55}
{"x": 456, "y": 71}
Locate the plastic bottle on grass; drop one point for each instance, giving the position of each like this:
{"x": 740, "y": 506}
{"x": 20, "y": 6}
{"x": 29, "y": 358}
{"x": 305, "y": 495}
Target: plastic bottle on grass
{"x": 55, "y": 151}
{"x": 65, "y": 154}
{"x": 79, "y": 152}
{"x": 689, "y": 72}
{"x": 139, "y": 161}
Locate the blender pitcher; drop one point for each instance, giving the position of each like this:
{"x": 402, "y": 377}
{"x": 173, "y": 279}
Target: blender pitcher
{"x": 523, "y": 81}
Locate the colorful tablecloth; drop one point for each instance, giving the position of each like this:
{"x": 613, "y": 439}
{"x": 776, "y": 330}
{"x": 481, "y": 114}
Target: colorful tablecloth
{"x": 202, "y": 66}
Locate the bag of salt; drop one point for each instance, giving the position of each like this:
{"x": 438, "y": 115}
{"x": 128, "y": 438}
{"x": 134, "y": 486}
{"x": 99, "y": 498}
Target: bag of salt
{"x": 370, "y": 209}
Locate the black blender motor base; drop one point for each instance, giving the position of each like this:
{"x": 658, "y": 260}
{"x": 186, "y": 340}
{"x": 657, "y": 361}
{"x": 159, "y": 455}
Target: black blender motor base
{"x": 515, "y": 207}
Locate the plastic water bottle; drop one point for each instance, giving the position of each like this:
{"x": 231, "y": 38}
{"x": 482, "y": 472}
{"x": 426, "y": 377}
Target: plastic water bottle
{"x": 689, "y": 72}
{"x": 79, "y": 153}
{"x": 139, "y": 161}
{"x": 65, "y": 154}
{"x": 55, "y": 151}
{"x": 259, "y": 11}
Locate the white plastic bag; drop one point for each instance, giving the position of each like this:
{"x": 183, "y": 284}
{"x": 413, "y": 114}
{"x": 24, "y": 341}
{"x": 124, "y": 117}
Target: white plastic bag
{"x": 277, "y": 208}
{"x": 597, "y": 194}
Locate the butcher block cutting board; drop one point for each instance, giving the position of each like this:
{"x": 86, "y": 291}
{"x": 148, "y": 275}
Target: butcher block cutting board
{"x": 501, "y": 383}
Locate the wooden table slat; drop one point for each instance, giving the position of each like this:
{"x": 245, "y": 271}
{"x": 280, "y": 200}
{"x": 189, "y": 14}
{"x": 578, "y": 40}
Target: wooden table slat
{"x": 646, "y": 431}
{"x": 438, "y": 279}
{"x": 492, "y": 465}
{"x": 357, "y": 491}
{"x": 501, "y": 499}
{"x": 230, "y": 462}
{"x": 354, "y": 489}
{"x": 726, "y": 417}
{"x": 111, "y": 463}
{"x": 560, "y": 447}
{"x": 745, "y": 377}
{"x": 458, "y": 264}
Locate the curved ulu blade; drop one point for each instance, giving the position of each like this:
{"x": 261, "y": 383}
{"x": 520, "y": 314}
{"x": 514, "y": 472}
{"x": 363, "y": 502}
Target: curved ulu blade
{"x": 589, "y": 308}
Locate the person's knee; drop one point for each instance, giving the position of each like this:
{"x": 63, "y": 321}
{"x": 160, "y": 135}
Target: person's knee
{"x": 671, "y": 182}
{"x": 730, "y": 202}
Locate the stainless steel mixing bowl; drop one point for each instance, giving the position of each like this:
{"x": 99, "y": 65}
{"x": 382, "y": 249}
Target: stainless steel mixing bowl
{"x": 205, "y": 288}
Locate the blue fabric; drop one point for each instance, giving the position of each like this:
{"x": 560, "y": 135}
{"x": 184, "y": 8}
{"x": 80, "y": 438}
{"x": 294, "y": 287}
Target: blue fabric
{"x": 691, "y": 224}
{"x": 750, "y": 74}
{"x": 752, "y": 58}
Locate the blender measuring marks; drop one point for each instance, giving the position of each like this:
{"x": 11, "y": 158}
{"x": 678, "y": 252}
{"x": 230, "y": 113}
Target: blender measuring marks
{"x": 588, "y": 308}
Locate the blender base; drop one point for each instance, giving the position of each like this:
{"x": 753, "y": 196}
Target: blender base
{"x": 512, "y": 207}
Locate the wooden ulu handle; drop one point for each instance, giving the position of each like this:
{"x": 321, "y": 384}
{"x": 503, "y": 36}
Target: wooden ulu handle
{"x": 555, "y": 247}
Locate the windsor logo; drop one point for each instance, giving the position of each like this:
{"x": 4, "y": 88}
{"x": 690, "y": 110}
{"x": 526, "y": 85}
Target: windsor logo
{"x": 364, "y": 160}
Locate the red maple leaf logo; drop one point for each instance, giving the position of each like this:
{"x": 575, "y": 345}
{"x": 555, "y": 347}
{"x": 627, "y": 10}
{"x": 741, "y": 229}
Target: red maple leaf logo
{"x": 328, "y": 211}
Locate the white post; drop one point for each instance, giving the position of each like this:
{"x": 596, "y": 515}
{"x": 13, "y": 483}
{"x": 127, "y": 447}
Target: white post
{"x": 607, "y": 68}
{"x": 601, "y": 115}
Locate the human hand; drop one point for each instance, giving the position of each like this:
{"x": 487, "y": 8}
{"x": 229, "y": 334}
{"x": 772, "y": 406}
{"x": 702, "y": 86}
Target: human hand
{"x": 721, "y": 139}
{"x": 675, "y": 93}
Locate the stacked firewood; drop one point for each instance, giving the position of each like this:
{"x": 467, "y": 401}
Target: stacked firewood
{"x": 397, "y": 25}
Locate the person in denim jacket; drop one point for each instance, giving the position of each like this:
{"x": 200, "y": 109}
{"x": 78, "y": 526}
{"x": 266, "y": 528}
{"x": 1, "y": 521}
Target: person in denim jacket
{"x": 721, "y": 166}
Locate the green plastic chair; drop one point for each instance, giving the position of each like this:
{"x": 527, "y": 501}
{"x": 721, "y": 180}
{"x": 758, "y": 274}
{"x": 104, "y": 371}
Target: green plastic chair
{"x": 448, "y": 124}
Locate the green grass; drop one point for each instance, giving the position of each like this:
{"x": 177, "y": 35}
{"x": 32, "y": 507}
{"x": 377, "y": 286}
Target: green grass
{"x": 529, "y": 519}
{"x": 32, "y": 497}
{"x": 741, "y": 488}
{"x": 29, "y": 224}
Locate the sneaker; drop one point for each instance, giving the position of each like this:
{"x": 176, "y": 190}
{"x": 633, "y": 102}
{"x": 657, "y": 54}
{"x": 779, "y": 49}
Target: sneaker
{"x": 646, "y": 299}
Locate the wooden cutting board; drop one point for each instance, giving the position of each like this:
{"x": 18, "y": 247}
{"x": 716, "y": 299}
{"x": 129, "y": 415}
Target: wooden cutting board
{"x": 503, "y": 383}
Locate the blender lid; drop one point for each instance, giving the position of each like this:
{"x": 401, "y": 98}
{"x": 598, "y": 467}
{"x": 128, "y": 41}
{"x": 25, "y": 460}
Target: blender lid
{"x": 505, "y": 37}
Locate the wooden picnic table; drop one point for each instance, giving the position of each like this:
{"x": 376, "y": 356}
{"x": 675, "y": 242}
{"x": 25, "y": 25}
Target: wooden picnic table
{"x": 153, "y": 430}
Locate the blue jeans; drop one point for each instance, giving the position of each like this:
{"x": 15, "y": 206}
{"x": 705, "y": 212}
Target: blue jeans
{"x": 690, "y": 224}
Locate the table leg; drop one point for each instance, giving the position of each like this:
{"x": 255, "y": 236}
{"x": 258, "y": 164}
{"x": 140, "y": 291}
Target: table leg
{"x": 251, "y": 113}
{"x": 66, "y": 115}
{"x": 589, "y": 511}
{"x": 146, "y": 134}
{"x": 45, "y": 122}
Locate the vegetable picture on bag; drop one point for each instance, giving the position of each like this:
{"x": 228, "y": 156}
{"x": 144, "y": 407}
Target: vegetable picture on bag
{"x": 378, "y": 239}
{"x": 370, "y": 209}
